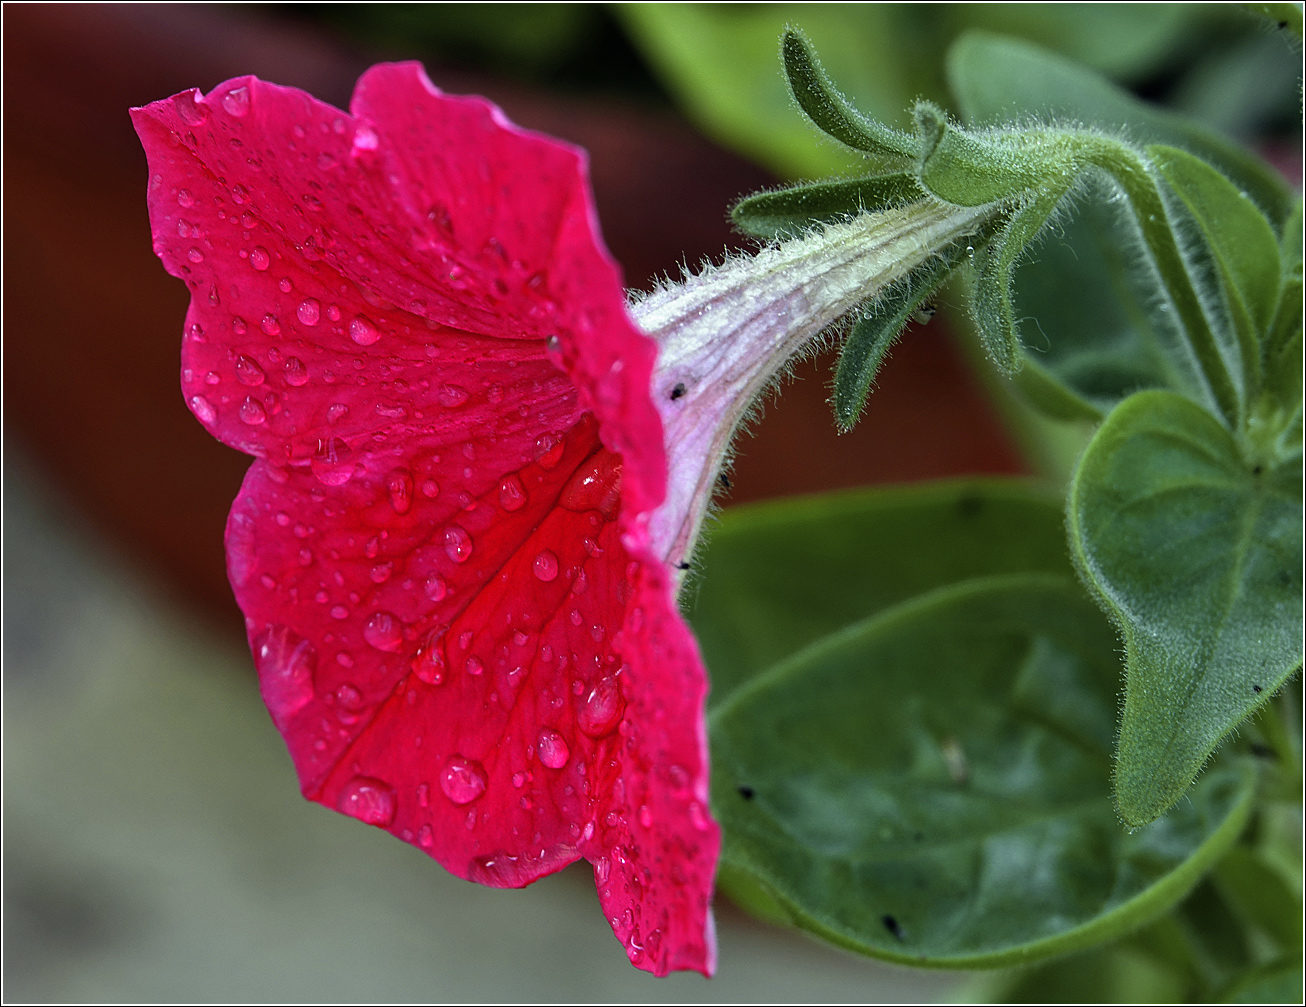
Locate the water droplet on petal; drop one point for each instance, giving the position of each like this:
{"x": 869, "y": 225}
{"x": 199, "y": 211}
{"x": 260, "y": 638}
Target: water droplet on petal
{"x": 546, "y": 566}
{"x": 236, "y": 102}
{"x": 512, "y": 494}
{"x": 399, "y": 484}
{"x": 270, "y": 325}
{"x": 252, "y": 412}
{"x": 260, "y": 259}
{"x": 435, "y": 587}
{"x": 463, "y": 780}
{"x": 365, "y": 138}
{"x": 424, "y": 837}
{"x": 457, "y": 544}
{"x": 474, "y": 665}
{"x": 248, "y": 372}
{"x": 645, "y": 816}
{"x": 368, "y": 800}
{"x": 203, "y": 409}
{"x": 384, "y": 632}
{"x": 452, "y": 396}
{"x": 548, "y": 450}
{"x": 601, "y": 711}
{"x": 184, "y": 198}
{"x": 595, "y": 486}
{"x": 195, "y": 255}
{"x": 428, "y": 663}
{"x": 362, "y": 331}
{"x": 309, "y": 311}
{"x": 331, "y": 462}
{"x": 296, "y": 372}
{"x": 286, "y": 663}
{"x": 552, "y": 748}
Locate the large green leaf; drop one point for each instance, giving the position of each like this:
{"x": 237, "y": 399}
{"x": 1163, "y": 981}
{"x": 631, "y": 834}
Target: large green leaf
{"x": 778, "y": 575}
{"x": 931, "y": 785}
{"x": 1197, "y": 554}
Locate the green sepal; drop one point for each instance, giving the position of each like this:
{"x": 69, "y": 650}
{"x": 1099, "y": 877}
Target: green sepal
{"x": 930, "y": 786}
{"x": 790, "y": 212}
{"x": 990, "y": 302}
{"x": 1197, "y": 554}
{"x": 887, "y": 148}
{"x": 997, "y": 79}
{"x": 975, "y": 169}
{"x": 879, "y": 327}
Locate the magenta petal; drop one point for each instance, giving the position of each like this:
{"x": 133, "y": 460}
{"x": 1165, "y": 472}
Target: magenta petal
{"x": 407, "y": 315}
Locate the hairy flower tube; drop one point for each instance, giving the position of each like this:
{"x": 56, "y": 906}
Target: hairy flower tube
{"x": 476, "y": 479}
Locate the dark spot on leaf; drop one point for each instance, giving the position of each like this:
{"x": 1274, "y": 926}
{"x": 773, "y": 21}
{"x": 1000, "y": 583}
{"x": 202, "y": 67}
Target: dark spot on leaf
{"x": 1282, "y": 25}
{"x": 1261, "y": 751}
{"x": 919, "y": 836}
{"x": 1256, "y": 688}
{"x": 746, "y": 792}
{"x": 969, "y": 506}
{"x": 1258, "y": 470}
{"x": 891, "y": 925}
{"x": 724, "y": 479}
{"x": 678, "y": 391}
{"x": 682, "y": 565}
{"x": 1285, "y": 578}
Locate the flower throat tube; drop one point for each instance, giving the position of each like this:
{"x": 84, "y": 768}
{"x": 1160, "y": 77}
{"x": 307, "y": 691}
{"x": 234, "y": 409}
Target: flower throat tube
{"x": 478, "y": 474}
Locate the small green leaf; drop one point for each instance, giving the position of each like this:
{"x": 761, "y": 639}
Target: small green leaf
{"x": 875, "y": 332}
{"x": 1240, "y": 237}
{"x": 832, "y": 112}
{"x": 791, "y": 212}
{"x": 1198, "y": 557}
{"x": 930, "y": 786}
{"x": 778, "y": 575}
{"x": 1260, "y": 896}
{"x": 990, "y": 304}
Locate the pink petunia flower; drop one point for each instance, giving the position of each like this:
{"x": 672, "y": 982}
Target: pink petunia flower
{"x": 458, "y": 548}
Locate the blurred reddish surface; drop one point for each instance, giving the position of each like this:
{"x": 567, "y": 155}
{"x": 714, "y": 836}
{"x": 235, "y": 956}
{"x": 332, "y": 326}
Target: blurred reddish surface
{"x": 93, "y": 324}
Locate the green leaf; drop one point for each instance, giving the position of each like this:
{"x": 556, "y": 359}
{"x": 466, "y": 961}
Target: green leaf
{"x": 1198, "y": 557}
{"x": 791, "y": 212}
{"x": 1241, "y": 241}
{"x": 778, "y": 575}
{"x": 875, "y": 332}
{"x": 1276, "y": 983}
{"x": 1260, "y": 896}
{"x": 930, "y": 785}
{"x": 832, "y": 112}
{"x": 1285, "y": 16}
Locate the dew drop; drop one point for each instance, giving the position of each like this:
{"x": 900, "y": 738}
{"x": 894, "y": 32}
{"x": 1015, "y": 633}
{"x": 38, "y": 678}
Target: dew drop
{"x": 512, "y": 494}
{"x": 430, "y": 489}
{"x": 296, "y": 372}
{"x": 474, "y": 665}
{"x": 399, "y": 485}
{"x": 285, "y": 662}
{"x": 384, "y": 632}
{"x": 362, "y": 331}
{"x": 424, "y": 837}
{"x": 381, "y": 572}
{"x": 457, "y": 544}
{"x": 546, "y": 566}
{"x": 368, "y": 800}
{"x": 552, "y": 748}
{"x": 236, "y": 102}
{"x": 452, "y": 396}
{"x": 248, "y": 372}
{"x": 260, "y": 259}
{"x": 365, "y": 138}
{"x": 309, "y": 311}
{"x": 339, "y": 612}
{"x": 331, "y": 462}
{"x": 336, "y": 412}
{"x": 252, "y": 412}
{"x": 463, "y": 780}
{"x": 185, "y": 199}
{"x": 645, "y": 816}
{"x": 601, "y": 711}
{"x": 435, "y": 587}
{"x": 203, "y": 409}
{"x": 595, "y": 486}
{"x": 428, "y": 663}
{"x": 548, "y": 450}
{"x": 270, "y": 325}
{"x": 195, "y": 255}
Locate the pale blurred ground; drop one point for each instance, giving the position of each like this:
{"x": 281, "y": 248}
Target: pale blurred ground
{"x": 156, "y": 848}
